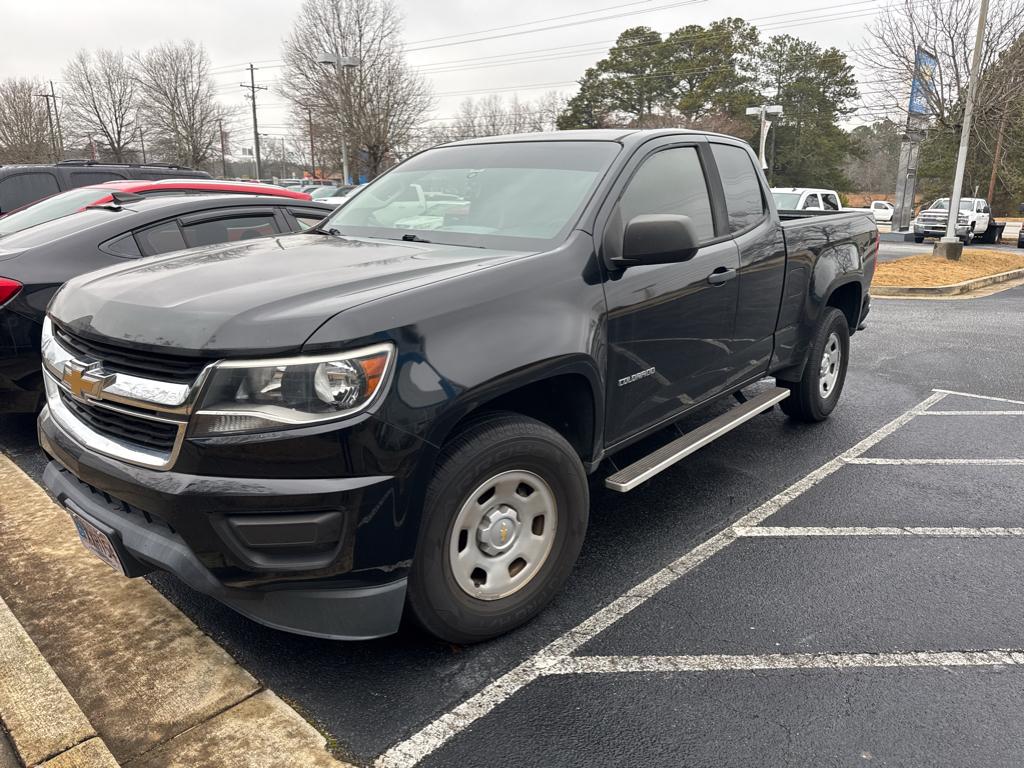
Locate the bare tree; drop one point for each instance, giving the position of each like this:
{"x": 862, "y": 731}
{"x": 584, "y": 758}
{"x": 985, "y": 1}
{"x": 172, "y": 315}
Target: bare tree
{"x": 101, "y": 98}
{"x": 946, "y": 28}
{"x": 24, "y": 126}
{"x": 379, "y": 103}
{"x": 179, "y": 107}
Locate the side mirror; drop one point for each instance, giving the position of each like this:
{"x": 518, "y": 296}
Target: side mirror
{"x": 657, "y": 238}
{"x": 987, "y": 209}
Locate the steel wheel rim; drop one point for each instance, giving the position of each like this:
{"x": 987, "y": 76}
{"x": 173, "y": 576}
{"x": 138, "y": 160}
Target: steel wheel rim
{"x": 828, "y": 373}
{"x": 503, "y": 535}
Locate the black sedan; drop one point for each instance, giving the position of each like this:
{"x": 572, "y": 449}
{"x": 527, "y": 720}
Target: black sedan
{"x": 35, "y": 262}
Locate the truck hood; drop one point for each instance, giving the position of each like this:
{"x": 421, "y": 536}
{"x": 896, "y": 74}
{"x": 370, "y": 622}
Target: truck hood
{"x": 261, "y": 296}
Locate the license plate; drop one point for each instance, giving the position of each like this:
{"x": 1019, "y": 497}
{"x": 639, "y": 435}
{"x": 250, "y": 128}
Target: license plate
{"x": 97, "y": 542}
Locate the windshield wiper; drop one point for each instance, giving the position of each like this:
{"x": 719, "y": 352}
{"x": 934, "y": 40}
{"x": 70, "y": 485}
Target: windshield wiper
{"x": 411, "y": 238}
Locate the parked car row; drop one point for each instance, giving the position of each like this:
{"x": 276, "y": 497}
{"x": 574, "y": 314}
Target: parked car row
{"x": 24, "y": 184}
{"x": 115, "y": 228}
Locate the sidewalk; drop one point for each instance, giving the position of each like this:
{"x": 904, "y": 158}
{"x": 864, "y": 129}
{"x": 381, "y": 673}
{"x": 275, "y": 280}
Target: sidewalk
{"x": 146, "y": 682}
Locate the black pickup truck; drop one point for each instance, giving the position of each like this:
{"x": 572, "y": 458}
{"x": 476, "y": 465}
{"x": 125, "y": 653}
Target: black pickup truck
{"x": 397, "y": 412}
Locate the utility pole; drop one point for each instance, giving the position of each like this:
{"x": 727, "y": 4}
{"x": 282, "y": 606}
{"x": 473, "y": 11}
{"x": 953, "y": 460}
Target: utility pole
{"x": 223, "y": 151}
{"x": 312, "y": 154}
{"x": 142, "y": 141}
{"x": 255, "y": 125}
{"x": 49, "y": 120}
{"x": 950, "y": 246}
{"x": 997, "y": 156}
{"x": 56, "y": 113}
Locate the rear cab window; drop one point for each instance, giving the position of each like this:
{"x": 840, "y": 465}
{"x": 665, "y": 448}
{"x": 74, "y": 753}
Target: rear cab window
{"x": 744, "y": 198}
{"x": 811, "y": 202}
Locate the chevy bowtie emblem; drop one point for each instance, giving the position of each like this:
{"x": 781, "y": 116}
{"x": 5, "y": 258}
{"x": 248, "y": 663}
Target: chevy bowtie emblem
{"x": 84, "y": 378}
{"x": 504, "y": 533}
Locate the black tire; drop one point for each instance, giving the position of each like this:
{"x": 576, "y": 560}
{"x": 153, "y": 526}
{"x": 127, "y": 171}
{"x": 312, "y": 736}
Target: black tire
{"x": 806, "y": 402}
{"x": 918, "y": 238}
{"x": 502, "y": 442}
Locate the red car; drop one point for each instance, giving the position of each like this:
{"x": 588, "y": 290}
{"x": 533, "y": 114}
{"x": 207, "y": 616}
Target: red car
{"x": 65, "y": 203}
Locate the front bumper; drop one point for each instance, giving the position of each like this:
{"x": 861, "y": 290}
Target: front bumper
{"x": 938, "y": 229}
{"x": 277, "y": 550}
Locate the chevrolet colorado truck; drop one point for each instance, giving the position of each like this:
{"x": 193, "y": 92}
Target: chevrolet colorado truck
{"x": 397, "y": 412}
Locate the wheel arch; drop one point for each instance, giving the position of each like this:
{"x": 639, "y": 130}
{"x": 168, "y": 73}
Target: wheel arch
{"x": 564, "y": 393}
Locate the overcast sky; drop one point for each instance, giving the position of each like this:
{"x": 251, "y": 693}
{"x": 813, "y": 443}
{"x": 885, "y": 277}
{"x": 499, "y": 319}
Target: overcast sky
{"x": 40, "y": 36}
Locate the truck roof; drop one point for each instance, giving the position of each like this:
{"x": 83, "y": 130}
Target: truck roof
{"x": 621, "y": 135}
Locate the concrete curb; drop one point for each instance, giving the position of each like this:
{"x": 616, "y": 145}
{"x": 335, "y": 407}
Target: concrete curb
{"x": 955, "y": 289}
{"x": 44, "y": 723}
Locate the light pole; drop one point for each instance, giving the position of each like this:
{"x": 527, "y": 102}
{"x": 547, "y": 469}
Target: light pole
{"x": 340, "y": 64}
{"x": 766, "y": 114}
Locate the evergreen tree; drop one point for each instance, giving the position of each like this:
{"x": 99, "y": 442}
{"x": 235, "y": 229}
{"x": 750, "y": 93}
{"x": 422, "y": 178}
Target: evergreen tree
{"x": 815, "y": 88}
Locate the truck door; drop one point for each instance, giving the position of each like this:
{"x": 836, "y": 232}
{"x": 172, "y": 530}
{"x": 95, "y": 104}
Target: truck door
{"x": 670, "y": 326}
{"x": 762, "y": 253}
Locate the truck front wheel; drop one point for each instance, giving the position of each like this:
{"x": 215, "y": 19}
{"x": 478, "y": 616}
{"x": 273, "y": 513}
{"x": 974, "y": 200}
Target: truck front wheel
{"x": 503, "y": 521}
{"x": 815, "y": 395}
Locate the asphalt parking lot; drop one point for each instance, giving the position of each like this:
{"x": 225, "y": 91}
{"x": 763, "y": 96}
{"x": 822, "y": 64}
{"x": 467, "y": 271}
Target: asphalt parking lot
{"x": 831, "y": 595}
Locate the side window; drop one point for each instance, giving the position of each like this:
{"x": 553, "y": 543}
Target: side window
{"x": 306, "y": 220}
{"x": 85, "y": 178}
{"x": 831, "y": 202}
{"x": 670, "y": 181}
{"x": 812, "y": 203}
{"x": 161, "y": 238}
{"x": 124, "y": 246}
{"x": 743, "y": 195}
{"x": 230, "y": 230}
{"x": 878, "y": 206}
{"x": 23, "y": 188}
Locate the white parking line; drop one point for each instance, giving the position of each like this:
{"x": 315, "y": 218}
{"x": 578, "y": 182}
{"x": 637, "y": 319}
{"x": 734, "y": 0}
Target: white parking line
{"x": 909, "y": 462}
{"x": 954, "y": 531}
{"x": 979, "y": 397}
{"x": 973, "y": 413}
{"x": 574, "y": 665}
{"x": 434, "y": 735}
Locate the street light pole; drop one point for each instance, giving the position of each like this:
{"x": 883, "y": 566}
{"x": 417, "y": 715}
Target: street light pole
{"x": 341, "y": 63}
{"x": 950, "y": 246}
{"x": 766, "y": 114}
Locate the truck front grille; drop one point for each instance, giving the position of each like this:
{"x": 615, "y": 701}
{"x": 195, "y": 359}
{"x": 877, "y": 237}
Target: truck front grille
{"x": 177, "y": 369}
{"x": 121, "y": 426}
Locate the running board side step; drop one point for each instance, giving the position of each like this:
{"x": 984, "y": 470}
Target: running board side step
{"x": 630, "y": 477}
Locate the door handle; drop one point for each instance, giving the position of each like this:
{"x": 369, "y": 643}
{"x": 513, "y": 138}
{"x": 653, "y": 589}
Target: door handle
{"x": 721, "y": 276}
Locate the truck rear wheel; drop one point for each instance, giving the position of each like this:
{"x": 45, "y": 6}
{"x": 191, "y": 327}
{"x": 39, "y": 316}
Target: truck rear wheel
{"x": 815, "y": 395}
{"x": 503, "y": 521}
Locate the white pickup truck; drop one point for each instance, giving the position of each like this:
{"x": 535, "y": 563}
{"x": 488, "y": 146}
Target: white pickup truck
{"x": 973, "y": 220}
{"x": 809, "y": 199}
{"x": 806, "y": 199}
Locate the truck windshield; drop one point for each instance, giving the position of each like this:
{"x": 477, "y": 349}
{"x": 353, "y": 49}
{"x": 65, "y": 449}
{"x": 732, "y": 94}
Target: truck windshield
{"x": 514, "y": 195}
{"x": 786, "y": 201}
{"x": 942, "y": 204}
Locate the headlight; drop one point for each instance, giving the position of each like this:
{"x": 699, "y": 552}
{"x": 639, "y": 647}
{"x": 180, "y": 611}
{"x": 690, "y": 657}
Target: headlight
{"x": 254, "y": 395}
